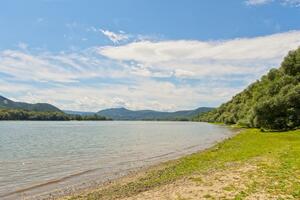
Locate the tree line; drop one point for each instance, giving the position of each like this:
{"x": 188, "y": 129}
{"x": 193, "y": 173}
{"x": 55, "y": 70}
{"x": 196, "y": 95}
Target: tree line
{"x": 17, "y": 114}
{"x": 272, "y": 103}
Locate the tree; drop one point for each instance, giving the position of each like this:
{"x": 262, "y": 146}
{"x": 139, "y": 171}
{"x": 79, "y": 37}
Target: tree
{"x": 273, "y": 102}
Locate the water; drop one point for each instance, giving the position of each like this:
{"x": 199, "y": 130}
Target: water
{"x": 37, "y": 158}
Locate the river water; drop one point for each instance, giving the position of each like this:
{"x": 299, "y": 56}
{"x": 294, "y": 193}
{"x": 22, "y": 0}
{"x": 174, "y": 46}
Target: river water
{"x": 39, "y": 158}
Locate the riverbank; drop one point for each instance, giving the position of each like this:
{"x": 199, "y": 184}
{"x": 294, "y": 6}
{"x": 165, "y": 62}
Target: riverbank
{"x": 250, "y": 165}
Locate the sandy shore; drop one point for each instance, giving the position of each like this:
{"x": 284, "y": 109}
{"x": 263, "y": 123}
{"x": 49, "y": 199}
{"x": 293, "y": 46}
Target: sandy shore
{"x": 133, "y": 176}
{"x": 223, "y": 184}
{"x": 250, "y": 165}
{"x": 86, "y": 187}
{"x": 212, "y": 184}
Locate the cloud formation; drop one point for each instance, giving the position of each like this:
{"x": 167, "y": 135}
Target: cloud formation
{"x": 257, "y": 2}
{"x": 197, "y": 58}
{"x": 59, "y": 68}
{"x": 293, "y": 3}
{"x": 115, "y": 37}
{"x": 163, "y": 75}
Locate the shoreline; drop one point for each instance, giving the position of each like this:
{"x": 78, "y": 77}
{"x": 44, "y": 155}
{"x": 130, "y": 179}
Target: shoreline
{"x": 138, "y": 172}
{"x": 118, "y": 177}
{"x": 246, "y": 154}
{"x": 186, "y": 140}
{"x": 48, "y": 189}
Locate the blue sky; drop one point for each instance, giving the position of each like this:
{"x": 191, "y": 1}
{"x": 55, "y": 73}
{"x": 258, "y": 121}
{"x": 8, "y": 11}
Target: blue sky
{"x": 165, "y": 55}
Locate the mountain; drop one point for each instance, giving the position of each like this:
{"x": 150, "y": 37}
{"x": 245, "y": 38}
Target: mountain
{"x": 125, "y": 114}
{"x": 272, "y": 103}
{"x": 81, "y": 113}
{"x": 39, "y": 107}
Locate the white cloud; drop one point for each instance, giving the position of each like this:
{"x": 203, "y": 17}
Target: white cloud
{"x": 146, "y": 94}
{"x": 115, "y": 37}
{"x": 215, "y": 58}
{"x": 267, "y": 47}
{"x": 62, "y": 67}
{"x": 15, "y": 88}
{"x": 163, "y": 75}
{"x": 295, "y": 3}
{"x": 292, "y": 3}
{"x": 183, "y": 73}
{"x": 257, "y": 2}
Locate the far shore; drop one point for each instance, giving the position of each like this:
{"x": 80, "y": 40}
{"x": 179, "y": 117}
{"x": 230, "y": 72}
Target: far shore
{"x": 251, "y": 164}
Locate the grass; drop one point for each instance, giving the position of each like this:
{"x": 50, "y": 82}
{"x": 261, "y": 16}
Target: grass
{"x": 277, "y": 156}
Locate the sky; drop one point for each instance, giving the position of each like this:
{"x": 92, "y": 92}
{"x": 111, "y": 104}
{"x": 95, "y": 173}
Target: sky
{"x": 164, "y": 55}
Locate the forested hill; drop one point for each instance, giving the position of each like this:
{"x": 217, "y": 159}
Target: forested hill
{"x": 125, "y": 114}
{"x": 270, "y": 103}
{"x": 38, "y": 107}
{"x": 11, "y": 110}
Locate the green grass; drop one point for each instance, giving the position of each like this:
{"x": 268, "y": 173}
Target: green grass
{"x": 279, "y": 165}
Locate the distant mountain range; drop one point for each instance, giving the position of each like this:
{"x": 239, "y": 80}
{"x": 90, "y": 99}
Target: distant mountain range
{"x": 112, "y": 113}
{"x": 72, "y": 112}
{"x": 39, "y": 107}
{"x": 125, "y": 114}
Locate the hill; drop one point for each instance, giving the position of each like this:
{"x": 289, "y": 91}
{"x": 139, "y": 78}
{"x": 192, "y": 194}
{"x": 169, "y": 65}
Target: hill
{"x": 81, "y": 113}
{"x": 11, "y": 110}
{"x": 273, "y": 102}
{"x": 38, "y": 107}
{"x": 125, "y": 114}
